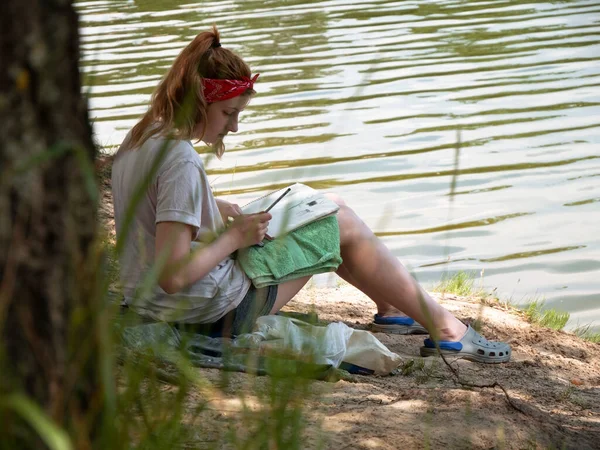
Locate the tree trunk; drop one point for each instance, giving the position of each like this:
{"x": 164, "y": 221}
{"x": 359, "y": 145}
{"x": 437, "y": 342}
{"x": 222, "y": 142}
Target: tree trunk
{"x": 48, "y": 297}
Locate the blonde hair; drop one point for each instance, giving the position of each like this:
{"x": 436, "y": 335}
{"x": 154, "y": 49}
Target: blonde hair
{"x": 178, "y": 105}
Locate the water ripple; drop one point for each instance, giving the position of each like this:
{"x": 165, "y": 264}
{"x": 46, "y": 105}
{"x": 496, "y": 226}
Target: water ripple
{"x": 364, "y": 98}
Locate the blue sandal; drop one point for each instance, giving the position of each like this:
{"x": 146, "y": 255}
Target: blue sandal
{"x": 472, "y": 347}
{"x": 397, "y": 325}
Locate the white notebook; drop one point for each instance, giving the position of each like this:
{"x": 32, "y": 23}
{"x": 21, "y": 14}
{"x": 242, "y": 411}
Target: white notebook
{"x": 299, "y": 207}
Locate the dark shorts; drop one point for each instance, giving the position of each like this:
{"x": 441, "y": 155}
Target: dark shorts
{"x": 256, "y": 303}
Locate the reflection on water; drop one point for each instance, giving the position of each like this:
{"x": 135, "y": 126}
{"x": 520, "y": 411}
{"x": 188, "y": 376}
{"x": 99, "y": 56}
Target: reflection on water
{"x": 364, "y": 99}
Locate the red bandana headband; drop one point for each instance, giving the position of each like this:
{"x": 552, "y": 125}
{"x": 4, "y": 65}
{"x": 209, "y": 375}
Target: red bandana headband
{"x": 219, "y": 90}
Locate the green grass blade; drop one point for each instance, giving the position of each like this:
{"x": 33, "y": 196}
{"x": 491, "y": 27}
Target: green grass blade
{"x": 53, "y": 436}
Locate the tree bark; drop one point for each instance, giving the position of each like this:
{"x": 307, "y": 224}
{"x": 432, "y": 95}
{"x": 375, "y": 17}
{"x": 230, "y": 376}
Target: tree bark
{"x": 48, "y": 299}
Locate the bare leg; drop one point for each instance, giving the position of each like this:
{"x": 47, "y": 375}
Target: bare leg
{"x": 286, "y": 291}
{"x": 383, "y": 309}
{"x": 379, "y": 274}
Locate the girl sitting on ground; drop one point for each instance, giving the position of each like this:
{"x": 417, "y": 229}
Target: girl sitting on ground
{"x": 177, "y": 231}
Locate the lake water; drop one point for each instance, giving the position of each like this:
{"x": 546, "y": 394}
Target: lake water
{"x": 364, "y": 98}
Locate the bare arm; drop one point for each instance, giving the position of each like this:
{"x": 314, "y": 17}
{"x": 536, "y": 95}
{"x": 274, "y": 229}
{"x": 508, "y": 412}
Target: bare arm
{"x": 180, "y": 268}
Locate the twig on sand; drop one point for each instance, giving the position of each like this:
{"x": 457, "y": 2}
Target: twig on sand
{"x": 495, "y": 384}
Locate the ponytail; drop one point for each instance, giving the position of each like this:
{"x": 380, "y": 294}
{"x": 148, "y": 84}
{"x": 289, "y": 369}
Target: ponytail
{"x": 178, "y": 104}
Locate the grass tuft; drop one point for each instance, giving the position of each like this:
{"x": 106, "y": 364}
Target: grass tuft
{"x": 461, "y": 283}
{"x": 585, "y": 333}
{"x": 550, "y": 318}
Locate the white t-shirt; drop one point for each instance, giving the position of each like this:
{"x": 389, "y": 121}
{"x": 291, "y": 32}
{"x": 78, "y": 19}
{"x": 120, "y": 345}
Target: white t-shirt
{"x": 179, "y": 192}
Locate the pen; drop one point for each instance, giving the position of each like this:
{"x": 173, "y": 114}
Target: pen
{"x": 278, "y": 199}
{"x": 261, "y": 244}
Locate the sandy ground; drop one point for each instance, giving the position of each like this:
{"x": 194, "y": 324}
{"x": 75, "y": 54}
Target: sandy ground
{"x": 553, "y": 382}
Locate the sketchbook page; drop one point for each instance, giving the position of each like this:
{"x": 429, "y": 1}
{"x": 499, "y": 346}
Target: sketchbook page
{"x": 300, "y": 206}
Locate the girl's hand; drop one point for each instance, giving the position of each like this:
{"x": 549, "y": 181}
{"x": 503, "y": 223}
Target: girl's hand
{"x": 249, "y": 229}
{"x": 228, "y": 209}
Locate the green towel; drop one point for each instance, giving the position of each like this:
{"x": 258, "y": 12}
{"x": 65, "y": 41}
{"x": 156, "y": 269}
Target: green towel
{"x": 309, "y": 250}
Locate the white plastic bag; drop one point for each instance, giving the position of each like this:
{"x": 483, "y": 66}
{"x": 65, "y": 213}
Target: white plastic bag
{"x": 323, "y": 345}
{"x": 333, "y": 344}
{"x": 365, "y": 350}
